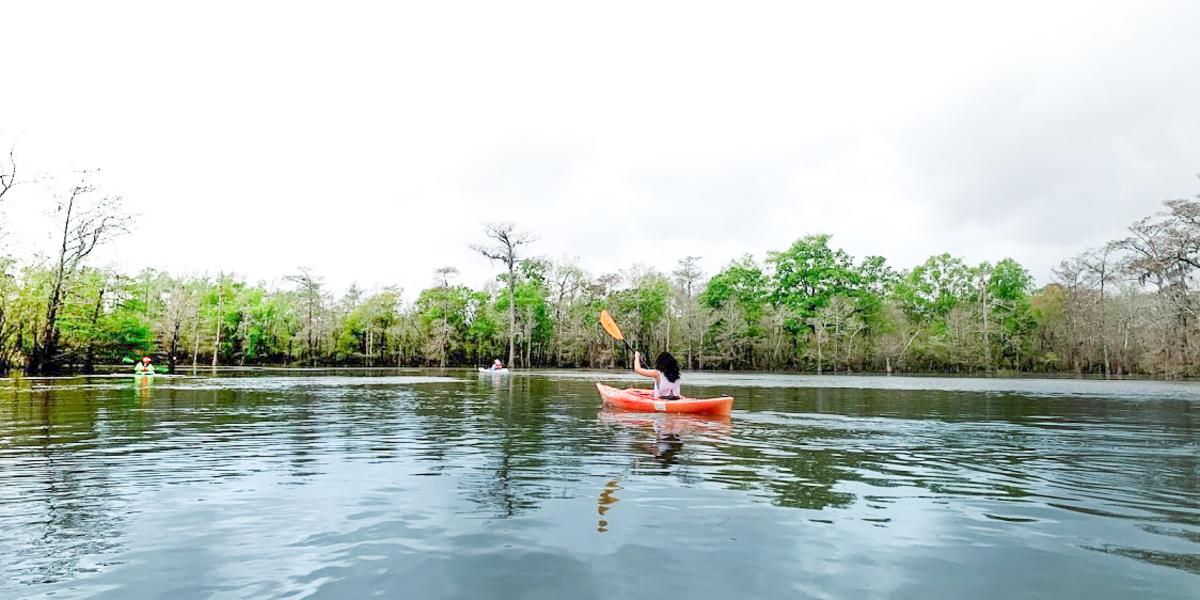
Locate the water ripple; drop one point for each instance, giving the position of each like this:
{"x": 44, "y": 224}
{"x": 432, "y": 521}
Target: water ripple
{"x": 331, "y": 485}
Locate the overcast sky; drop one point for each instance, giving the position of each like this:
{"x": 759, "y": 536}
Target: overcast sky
{"x": 369, "y": 142}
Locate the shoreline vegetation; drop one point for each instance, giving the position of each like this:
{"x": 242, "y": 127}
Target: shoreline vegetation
{"x": 1125, "y": 309}
{"x": 122, "y": 370}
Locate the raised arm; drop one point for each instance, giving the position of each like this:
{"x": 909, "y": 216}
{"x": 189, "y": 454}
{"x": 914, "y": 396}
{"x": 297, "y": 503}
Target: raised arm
{"x": 637, "y": 367}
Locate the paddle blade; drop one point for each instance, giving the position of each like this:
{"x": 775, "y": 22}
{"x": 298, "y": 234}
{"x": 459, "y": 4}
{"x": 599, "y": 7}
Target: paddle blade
{"x": 609, "y": 325}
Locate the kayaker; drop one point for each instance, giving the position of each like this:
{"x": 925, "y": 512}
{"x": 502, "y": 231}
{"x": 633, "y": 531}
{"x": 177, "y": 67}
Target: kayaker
{"x": 665, "y": 375}
{"x": 144, "y": 367}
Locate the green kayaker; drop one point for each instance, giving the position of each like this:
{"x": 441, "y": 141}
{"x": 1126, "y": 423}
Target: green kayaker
{"x": 144, "y": 367}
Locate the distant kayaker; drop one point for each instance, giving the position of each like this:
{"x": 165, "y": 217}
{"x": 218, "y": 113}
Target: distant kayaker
{"x": 665, "y": 375}
{"x": 144, "y": 367}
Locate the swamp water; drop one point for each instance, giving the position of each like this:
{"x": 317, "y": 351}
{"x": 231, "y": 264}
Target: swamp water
{"x": 452, "y": 484}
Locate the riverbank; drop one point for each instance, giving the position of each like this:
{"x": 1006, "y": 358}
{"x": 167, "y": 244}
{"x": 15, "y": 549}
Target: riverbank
{"x": 118, "y": 369}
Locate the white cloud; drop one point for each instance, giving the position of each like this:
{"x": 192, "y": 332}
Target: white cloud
{"x": 370, "y": 142}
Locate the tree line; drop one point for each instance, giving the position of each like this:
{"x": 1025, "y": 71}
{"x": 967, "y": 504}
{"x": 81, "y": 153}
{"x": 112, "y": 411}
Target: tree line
{"x": 1126, "y": 308}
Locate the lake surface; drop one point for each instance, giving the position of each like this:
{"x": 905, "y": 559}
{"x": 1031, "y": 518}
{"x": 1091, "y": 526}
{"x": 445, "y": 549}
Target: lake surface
{"x": 448, "y": 484}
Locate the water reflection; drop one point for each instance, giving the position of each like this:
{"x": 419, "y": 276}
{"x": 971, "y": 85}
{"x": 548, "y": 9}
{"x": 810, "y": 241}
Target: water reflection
{"x": 607, "y": 499}
{"x": 305, "y": 484}
{"x": 658, "y": 437}
{"x": 661, "y": 436}
{"x": 68, "y": 510}
{"x": 144, "y": 388}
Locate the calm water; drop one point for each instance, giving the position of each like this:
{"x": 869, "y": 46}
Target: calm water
{"x": 454, "y": 485}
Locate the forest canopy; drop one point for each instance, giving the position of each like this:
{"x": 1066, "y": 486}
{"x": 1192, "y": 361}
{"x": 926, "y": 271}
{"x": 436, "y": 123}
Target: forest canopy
{"x": 1124, "y": 308}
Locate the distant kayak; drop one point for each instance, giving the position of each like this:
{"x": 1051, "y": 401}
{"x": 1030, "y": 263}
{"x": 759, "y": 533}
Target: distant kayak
{"x": 642, "y": 400}
{"x": 494, "y": 371}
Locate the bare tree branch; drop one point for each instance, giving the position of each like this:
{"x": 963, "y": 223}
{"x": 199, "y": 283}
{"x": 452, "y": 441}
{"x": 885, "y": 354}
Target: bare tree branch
{"x": 86, "y": 224}
{"x": 8, "y": 172}
{"x": 508, "y": 240}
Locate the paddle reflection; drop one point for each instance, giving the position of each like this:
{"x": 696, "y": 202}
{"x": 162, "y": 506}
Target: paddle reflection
{"x": 607, "y": 499}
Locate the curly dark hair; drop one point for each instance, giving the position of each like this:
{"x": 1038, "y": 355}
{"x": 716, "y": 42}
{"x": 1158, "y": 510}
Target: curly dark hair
{"x": 668, "y": 366}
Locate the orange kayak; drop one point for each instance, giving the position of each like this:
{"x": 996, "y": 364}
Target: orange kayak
{"x": 640, "y": 400}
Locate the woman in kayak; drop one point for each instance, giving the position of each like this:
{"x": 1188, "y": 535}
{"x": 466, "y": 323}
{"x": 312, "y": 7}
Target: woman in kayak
{"x": 665, "y": 375}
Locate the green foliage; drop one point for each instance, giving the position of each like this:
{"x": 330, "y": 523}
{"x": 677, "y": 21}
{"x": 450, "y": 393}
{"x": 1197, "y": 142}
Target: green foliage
{"x": 807, "y": 275}
{"x": 534, "y": 311}
{"x": 442, "y": 313}
{"x": 741, "y": 283}
{"x": 743, "y": 316}
{"x": 811, "y": 306}
{"x": 737, "y": 297}
{"x": 484, "y": 336}
{"x": 934, "y": 288}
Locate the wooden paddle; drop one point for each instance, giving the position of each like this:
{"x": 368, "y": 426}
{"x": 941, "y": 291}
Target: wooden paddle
{"x": 609, "y": 325}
